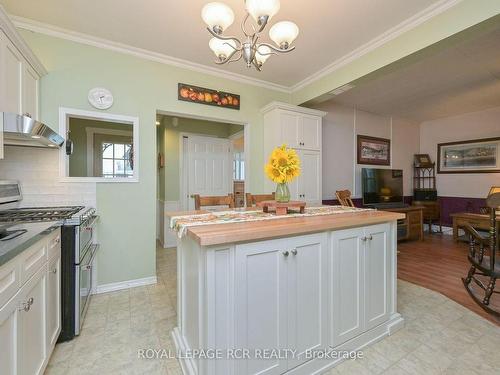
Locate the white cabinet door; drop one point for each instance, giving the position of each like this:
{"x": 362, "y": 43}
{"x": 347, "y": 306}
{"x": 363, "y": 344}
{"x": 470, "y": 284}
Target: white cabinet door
{"x": 307, "y": 295}
{"x": 9, "y": 333}
{"x": 377, "y": 282}
{"x": 347, "y": 280}
{"x": 310, "y": 130}
{"x": 53, "y": 300}
{"x": 30, "y": 92}
{"x": 290, "y": 124}
{"x": 310, "y": 178}
{"x": 261, "y": 304}
{"x": 32, "y": 338}
{"x": 11, "y": 76}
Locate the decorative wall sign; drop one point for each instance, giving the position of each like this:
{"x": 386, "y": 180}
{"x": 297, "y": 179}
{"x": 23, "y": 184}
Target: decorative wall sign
{"x": 374, "y": 151}
{"x": 195, "y": 94}
{"x": 474, "y": 156}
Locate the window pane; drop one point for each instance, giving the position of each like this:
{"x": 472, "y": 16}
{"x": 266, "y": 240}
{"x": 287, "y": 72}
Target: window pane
{"x": 107, "y": 150}
{"x": 119, "y": 166}
{"x": 128, "y": 168}
{"x": 107, "y": 167}
{"x": 242, "y": 170}
{"x": 119, "y": 150}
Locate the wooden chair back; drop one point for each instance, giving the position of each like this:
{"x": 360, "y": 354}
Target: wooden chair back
{"x": 253, "y": 199}
{"x": 225, "y": 200}
{"x": 344, "y": 198}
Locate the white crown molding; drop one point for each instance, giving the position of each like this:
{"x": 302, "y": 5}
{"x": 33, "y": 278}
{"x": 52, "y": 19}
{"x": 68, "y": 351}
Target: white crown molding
{"x": 10, "y": 31}
{"x": 58, "y": 32}
{"x": 410, "y": 23}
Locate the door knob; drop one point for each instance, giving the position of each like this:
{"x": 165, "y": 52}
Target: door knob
{"x": 285, "y": 253}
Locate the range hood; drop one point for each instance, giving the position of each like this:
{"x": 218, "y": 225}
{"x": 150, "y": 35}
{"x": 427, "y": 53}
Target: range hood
{"x": 19, "y": 130}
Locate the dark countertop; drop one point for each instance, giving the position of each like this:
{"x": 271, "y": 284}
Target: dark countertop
{"x": 35, "y": 232}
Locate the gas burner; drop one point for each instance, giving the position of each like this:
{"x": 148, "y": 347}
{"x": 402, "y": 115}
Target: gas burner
{"x": 29, "y": 214}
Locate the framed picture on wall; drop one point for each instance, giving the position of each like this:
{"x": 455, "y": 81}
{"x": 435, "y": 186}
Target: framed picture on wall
{"x": 374, "y": 151}
{"x": 474, "y": 156}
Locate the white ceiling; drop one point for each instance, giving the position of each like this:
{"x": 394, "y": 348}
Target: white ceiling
{"x": 461, "y": 78}
{"x": 329, "y": 29}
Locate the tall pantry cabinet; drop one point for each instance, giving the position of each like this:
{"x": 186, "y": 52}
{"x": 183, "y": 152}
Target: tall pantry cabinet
{"x": 299, "y": 128}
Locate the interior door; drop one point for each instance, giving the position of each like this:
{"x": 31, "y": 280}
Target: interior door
{"x": 307, "y": 296}
{"x": 209, "y": 167}
{"x": 311, "y": 132}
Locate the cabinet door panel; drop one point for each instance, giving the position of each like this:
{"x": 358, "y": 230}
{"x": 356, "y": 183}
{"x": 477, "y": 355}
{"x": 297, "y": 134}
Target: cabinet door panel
{"x": 377, "y": 275}
{"x": 33, "y": 337}
{"x": 311, "y": 132}
{"x": 307, "y": 283}
{"x": 12, "y": 76}
{"x": 290, "y": 124}
{"x": 53, "y": 301}
{"x": 261, "y": 303}
{"x": 9, "y": 333}
{"x": 310, "y": 179}
{"x": 30, "y": 90}
{"x": 347, "y": 285}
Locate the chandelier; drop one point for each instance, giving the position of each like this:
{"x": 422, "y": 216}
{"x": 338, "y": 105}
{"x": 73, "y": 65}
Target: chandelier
{"x": 219, "y": 17}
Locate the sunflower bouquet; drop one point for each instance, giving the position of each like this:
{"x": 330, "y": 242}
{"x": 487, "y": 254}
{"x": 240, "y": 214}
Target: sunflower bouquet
{"x": 282, "y": 168}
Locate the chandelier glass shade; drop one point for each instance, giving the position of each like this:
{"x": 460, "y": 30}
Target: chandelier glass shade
{"x": 219, "y": 17}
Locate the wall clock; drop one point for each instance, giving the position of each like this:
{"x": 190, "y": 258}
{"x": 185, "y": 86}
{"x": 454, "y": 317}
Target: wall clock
{"x": 100, "y": 98}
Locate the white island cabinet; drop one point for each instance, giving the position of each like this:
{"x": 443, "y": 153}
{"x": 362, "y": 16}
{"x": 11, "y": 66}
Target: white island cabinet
{"x": 270, "y": 297}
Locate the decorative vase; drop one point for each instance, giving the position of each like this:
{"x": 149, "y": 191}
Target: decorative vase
{"x": 282, "y": 193}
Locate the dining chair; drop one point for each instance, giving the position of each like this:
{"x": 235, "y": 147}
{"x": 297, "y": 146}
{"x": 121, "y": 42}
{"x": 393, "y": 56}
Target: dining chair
{"x": 485, "y": 267}
{"x": 344, "y": 198}
{"x": 225, "y": 200}
{"x": 253, "y": 199}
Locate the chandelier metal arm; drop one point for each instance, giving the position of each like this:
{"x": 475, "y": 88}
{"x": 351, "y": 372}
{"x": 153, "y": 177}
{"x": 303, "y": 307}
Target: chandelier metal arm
{"x": 236, "y": 58}
{"x": 221, "y": 37}
{"x": 279, "y": 50}
{"x": 244, "y": 29}
{"x": 227, "y": 59}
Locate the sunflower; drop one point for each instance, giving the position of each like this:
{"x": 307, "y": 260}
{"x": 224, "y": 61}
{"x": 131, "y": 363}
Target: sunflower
{"x": 283, "y": 165}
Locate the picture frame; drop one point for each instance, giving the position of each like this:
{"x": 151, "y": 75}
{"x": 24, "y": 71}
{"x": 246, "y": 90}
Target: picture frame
{"x": 202, "y": 95}
{"x": 373, "y": 150}
{"x": 471, "y": 156}
{"x": 422, "y": 160}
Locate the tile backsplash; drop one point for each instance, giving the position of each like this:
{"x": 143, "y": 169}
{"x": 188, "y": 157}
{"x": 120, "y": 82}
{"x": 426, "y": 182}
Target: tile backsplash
{"x": 38, "y": 171}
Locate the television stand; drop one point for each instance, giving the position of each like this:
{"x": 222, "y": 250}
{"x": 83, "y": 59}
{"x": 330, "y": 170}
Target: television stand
{"x": 412, "y": 226}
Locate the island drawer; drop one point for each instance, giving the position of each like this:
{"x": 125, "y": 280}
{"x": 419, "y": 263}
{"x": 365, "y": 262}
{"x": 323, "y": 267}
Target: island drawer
{"x": 10, "y": 281}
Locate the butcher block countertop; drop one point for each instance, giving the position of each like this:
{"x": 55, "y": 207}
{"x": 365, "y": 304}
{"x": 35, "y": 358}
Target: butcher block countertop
{"x": 219, "y": 234}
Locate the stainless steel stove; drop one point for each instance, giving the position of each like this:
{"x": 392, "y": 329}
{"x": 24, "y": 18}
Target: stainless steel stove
{"x": 78, "y": 250}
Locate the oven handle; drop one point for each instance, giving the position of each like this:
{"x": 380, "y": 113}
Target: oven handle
{"x": 91, "y": 222}
{"x": 93, "y": 249}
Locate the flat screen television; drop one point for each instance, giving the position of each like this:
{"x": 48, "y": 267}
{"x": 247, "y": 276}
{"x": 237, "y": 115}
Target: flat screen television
{"x": 382, "y": 186}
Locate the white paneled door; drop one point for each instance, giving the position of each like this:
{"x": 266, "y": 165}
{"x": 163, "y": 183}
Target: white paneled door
{"x": 209, "y": 167}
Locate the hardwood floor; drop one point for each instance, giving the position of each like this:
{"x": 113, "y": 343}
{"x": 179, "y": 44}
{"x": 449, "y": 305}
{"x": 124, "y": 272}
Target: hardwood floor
{"x": 438, "y": 263}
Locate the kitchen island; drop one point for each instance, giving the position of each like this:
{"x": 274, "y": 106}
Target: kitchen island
{"x": 285, "y": 296}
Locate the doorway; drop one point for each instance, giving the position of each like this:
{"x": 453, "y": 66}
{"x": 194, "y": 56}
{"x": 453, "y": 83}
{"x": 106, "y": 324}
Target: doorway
{"x": 202, "y": 156}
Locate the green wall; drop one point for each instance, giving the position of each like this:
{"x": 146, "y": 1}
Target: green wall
{"x": 168, "y": 187}
{"x": 127, "y": 229}
{"x": 78, "y": 126}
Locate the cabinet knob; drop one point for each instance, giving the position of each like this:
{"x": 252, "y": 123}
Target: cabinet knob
{"x": 294, "y": 251}
{"x": 370, "y": 237}
{"x": 286, "y": 253}
{"x": 54, "y": 270}
{"x": 363, "y": 239}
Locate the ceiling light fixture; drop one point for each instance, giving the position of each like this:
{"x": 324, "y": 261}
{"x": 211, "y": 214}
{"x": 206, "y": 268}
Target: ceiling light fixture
{"x": 219, "y": 17}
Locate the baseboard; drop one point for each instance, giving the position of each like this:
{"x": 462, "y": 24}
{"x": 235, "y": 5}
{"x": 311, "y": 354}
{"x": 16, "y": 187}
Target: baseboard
{"x": 111, "y": 287}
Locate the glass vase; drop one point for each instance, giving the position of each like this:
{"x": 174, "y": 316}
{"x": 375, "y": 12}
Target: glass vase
{"x": 282, "y": 193}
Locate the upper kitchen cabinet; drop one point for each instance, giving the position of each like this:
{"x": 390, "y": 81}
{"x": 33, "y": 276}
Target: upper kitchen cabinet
{"x": 298, "y": 127}
{"x": 20, "y": 71}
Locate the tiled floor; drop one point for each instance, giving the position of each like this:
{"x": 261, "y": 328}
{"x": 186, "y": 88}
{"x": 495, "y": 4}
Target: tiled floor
{"x": 440, "y": 336}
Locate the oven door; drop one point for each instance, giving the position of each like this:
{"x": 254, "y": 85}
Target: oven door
{"x": 83, "y": 286}
{"x": 86, "y": 236}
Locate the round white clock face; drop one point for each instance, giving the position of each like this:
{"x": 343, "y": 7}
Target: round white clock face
{"x": 100, "y": 98}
